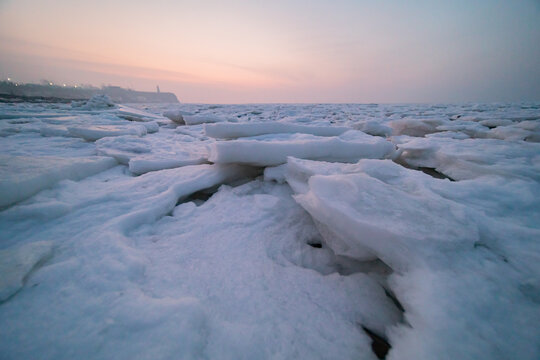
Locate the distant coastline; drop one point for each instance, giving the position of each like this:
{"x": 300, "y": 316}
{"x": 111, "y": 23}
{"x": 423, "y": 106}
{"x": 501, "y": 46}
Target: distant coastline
{"x": 12, "y": 91}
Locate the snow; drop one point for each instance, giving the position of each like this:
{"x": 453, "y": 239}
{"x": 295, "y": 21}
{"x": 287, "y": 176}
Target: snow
{"x": 269, "y": 231}
{"x": 16, "y": 264}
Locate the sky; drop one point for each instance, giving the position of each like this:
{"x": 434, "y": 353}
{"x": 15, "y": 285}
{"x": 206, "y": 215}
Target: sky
{"x": 341, "y": 51}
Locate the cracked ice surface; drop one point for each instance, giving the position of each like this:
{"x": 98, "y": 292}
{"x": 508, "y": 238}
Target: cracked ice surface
{"x": 129, "y": 242}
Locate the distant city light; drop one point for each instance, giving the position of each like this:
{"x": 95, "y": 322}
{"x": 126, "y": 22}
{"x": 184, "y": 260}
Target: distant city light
{"x": 64, "y": 85}
{"x": 8, "y": 79}
{"x": 50, "y": 83}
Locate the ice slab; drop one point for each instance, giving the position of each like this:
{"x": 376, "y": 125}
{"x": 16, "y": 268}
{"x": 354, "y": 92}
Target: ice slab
{"x": 96, "y": 102}
{"x": 35, "y": 144}
{"x": 202, "y": 119}
{"x": 451, "y": 247}
{"x": 132, "y": 114}
{"x": 354, "y": 204}
{"x": 151, "y": 153}
{"x": 374, "y": 128}
{"x": 22, "y": 176}
{"x": 471, "y": 158}
{"x": 415, "y": 127}
{"x": 96, "y": 132}
{"x": 16, "y": 263}
{"x": 175, "y": 115}
{"x": 236, "y": 130}
{"x": 141, "y": 165}
{"x": 54, "y": 130}
{"x": 275, "y": 173}
{"x": 273, "y": 149}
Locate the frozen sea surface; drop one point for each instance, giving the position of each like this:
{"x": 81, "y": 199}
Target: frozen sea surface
{"x": 269, "y": 231}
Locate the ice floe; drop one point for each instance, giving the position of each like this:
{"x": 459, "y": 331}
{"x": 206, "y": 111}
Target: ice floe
{"x": 24, "y": 176}
{"x": 453, "y": 262}
{"x": 97, "y": 102}
{"x": 469, "y": 158}
{"x": 273, "y": 149}
{"x": 144, "y": 155}
{"x": 93, "y": 133}
{"x": 237, "y": 130}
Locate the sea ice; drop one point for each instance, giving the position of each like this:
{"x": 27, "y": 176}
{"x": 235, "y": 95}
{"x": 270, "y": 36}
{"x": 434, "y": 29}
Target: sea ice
{"x": 153, "y": 153}
{"x": 471, "y": 158}
{"x": 217, "y": 261}
{"x": 141, "y": 165}
{"x": 200, "y": 119}
{"x": 16, "y": 263}
{"x": 22, "y": 177}
{"x": 131, "y": 114}
{"x": 176, "y": 116}
{"x": 96, "y": 132}
{"x": 374, "y": 128}
{"x": 415, "y": 127}
{"x": 236, "y": 130}
{"x": 452, "y": 262}
{"x": 273, "y": 149}
{"x": 97, "y": 102}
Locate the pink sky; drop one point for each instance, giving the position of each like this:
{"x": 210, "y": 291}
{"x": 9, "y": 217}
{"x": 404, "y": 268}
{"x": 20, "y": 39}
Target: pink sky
{"x": 281, "y": 51}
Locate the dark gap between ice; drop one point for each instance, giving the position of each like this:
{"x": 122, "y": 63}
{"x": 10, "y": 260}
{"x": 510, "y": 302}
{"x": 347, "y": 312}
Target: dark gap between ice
{"x": 479, "y": 245}
{"x": 199, "y": 197}
{"x": 379, "y": 344}
{"x": 131, "y": 118}
{"x": 434, "y": 173}
{"x": 202, "y": 196}
{"x": 426, "y": 170}
{"x": 394, "y": 300}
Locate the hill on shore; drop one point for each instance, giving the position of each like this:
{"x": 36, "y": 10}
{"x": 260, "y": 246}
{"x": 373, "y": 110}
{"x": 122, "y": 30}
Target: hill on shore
{"x": 10, "y": 90}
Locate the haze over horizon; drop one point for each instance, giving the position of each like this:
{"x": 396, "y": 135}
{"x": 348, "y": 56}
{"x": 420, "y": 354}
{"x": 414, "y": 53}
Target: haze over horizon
{"x": 281, "y": 52}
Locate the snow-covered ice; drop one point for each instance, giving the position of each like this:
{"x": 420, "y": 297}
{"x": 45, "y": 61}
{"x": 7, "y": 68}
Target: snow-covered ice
{"x": 273, "y": 149}
{"x": 236, "y": 130}
{"x": 151, "y": 153}
{"x": 470, "y": 158}
{"x": 24, "y": 176}
{"x": 93, "y": 133}
{"x": 16, "y": 264}
{"x": 328, "y": 231}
